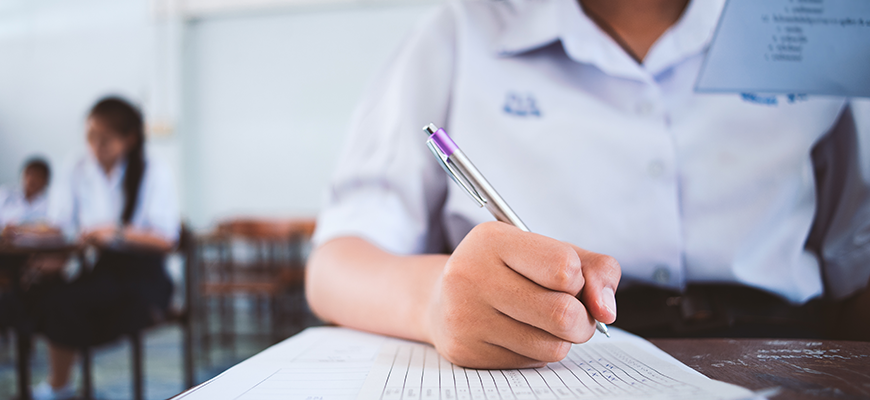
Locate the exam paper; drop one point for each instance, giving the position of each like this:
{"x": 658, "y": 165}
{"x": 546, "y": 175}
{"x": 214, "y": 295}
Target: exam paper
{"x": 790, "y": 47}
{"x": 338, "y": 363}
{"x": 622, "y": 367}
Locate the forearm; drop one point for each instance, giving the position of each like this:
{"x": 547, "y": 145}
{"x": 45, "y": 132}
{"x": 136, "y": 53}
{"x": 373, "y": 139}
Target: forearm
{"x": 353, "y": 283}
{"x": 32, "y": 229}
{"x": 146, "y": 240}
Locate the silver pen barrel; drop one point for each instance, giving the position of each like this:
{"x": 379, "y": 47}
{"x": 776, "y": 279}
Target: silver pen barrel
{"x": 491, "y": 199}
{"x": 494, "y": 202}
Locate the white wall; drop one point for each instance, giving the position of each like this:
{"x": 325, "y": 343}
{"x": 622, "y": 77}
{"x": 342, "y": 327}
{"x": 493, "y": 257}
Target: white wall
{"x": 56, "y": 58}
{"x": 255, "y": 119}
{"x": 207, "y": 8}
{"x": 269, "y": 102}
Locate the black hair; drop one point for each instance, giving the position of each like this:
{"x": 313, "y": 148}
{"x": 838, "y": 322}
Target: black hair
{"x": 126, "y": 121}
{"x": 38, "y": 164}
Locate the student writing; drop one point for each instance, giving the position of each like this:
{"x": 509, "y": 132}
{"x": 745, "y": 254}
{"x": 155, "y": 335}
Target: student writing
{"x": 583, "y": 114}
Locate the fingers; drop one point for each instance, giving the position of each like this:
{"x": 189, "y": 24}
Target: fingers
{"x": 508, "y": 298}
{"x": 502, "y": 342}
{"x": 602, "y": 274}
{"x": 545, "y": 271}
{"x": 558, "y": 313}
{"x": 548, "y": 262}
{"x": 529, "y": 341}
{"x": 483, "y": 355}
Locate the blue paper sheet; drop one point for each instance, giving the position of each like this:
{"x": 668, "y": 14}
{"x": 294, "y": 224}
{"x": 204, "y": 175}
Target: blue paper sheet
{"x": 819, "y": 47}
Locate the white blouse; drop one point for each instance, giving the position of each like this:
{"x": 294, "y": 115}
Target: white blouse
{"x": 84, "y": 197}
{"x": 16, "y": 210}
{"x": 591, "y": 148}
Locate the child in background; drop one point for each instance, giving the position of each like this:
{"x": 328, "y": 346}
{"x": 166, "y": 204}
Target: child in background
{"x": 123, "y": 202}
{"x": 26, "y": 205}
{"x": 22, "y": 211}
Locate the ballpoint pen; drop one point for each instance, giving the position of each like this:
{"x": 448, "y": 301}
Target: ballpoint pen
{"x": 466, "y": 175}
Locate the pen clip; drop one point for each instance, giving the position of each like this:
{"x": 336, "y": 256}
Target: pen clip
{"x": 455, "y": 173}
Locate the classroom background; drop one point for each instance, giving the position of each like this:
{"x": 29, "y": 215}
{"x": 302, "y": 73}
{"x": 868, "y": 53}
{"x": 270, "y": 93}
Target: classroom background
{"x": 247, "y": 101}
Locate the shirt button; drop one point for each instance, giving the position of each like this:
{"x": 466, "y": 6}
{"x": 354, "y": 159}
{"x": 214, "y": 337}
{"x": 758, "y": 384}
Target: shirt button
{"x": 662, "y": 275}
{"x": 656, "y": 168}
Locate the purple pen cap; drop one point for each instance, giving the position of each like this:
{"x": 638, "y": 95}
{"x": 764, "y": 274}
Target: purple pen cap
{"x": 441, "y": 139}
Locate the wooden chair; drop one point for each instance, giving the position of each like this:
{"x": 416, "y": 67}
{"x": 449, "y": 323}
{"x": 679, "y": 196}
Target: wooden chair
{"x": 177, "y": 315}
{"x": 14, "y": 258}
{"x": 274, "y": 269}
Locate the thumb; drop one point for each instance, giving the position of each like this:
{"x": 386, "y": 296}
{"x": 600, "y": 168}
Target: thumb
{"x": 598, "y": 295}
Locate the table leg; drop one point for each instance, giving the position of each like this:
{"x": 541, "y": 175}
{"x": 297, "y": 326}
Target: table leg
{"x": 22, "y": 327}
{"x": 23, "y": 353}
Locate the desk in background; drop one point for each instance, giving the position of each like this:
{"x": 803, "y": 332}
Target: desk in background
{"x": 13, "y": 259}
{"x": 802, "y": 369}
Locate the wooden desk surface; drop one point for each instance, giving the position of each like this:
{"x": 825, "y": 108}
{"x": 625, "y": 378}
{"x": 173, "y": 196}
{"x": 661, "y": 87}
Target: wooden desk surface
{"x": 35, "y": 245}
{"x": 802, "y": 369}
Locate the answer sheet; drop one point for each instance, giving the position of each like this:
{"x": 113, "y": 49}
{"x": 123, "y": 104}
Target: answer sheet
{"x": 338, "y": 363}
{"x": 796, "y": 47}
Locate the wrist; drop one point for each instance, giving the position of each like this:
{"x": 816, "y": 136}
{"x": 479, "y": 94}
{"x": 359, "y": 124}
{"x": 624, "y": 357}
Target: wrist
{"x": 430, "y": 299}
{"x": 118, "y": 237}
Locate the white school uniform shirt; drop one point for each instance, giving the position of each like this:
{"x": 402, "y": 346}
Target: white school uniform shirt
{"x": 84, "y": 197}
{"x": 15, "y": 209}
{"x": 591, "y": 148}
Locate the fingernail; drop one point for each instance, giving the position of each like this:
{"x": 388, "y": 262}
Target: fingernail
{"x": 608, "y": 299}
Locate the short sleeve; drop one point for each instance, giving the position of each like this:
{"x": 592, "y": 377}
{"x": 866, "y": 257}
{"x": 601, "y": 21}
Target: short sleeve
{"x": 841, "y": 230}
{"x": 387, "y": 187}
{"x": 160, "y": 209}
{"x": 4, "y": 197}
{"x": 62, "y": 201}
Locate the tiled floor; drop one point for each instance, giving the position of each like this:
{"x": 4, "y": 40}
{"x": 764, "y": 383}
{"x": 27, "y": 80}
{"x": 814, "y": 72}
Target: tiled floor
{"x": 163, "y": 350}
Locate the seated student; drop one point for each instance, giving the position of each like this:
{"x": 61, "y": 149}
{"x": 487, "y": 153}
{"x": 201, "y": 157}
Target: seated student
{"x": 27, "y": 205}
{"x": 583, "y": 115}
{"x": 22, "y": 210}
{"x": 122, "y": 201}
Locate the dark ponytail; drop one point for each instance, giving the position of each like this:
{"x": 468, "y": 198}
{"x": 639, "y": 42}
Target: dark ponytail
{"x": 126, "y": 120}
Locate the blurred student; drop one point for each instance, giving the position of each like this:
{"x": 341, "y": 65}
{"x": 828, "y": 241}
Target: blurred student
{"x": 28, "y": 204}
{"x": 583, "y": 115}
{"x": 22, "y": 210}
{"x": 122, "y": 201}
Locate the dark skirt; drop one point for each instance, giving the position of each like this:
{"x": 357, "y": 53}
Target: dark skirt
{"x": 12, "y": 313}
{"x": 124, "y": 293}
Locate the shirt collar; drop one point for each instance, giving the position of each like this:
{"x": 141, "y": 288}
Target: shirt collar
{"x": 115, "y": 175}
{"x": 534, "y": 24}
{"x": 42, "y": 196}
{"x": 691, "y": 35}
{"x": 529, "y": 25}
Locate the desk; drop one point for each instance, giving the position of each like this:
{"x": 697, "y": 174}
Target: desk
{"x": 802, "y": 369}
{"x": 14, "y": 258}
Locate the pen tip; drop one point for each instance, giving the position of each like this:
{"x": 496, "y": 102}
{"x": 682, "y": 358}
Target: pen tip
{"x": 602, "y": 328}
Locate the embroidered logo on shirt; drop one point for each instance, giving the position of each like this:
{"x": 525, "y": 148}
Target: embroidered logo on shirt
{"x": 521, "y": 105}
{"x": 771, "y": 100}
{"x": 794, "y": 98}
{"x": 759, "y": 99}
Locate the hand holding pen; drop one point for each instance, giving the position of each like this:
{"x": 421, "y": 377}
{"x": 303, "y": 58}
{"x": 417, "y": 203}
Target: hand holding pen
{"x": 593, "y": 288}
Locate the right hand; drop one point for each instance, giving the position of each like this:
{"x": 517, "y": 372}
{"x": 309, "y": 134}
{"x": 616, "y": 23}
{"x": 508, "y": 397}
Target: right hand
{"x": 508, "y": 299}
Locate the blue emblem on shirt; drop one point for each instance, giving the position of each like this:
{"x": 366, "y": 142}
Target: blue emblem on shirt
{"x": 759, "y": 99}
{"x": 521, "y": 105}
{"x": 796, "y": 97}
{"x": 771, "y": 100}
